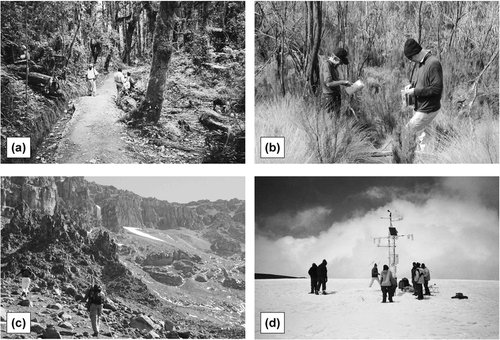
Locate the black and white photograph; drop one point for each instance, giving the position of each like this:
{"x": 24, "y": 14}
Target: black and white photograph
{"x": 123, "y": 257}
{"x": 123, "y": 82}
{"x": 377, "y": 82}
{"x": 378, "y": 257}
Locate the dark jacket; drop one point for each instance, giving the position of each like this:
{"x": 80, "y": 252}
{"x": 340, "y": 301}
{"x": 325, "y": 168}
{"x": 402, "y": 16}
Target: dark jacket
{"x": 429, "y": 85}
{"x": 313, "y": 271}
{"x": 375, "y": 272}
{"x": 322, "y": 271}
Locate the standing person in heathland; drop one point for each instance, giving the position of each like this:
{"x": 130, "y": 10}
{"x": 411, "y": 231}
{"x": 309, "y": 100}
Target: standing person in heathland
{"x": 427, "y": 88}
{"x": 331, "y": 82}
{"x": 387, "y": 283}
{"x": 95, "y": 299}
{"x": 427, "y": 278}
{"x": 322, "y": 277}
{"x": 313, "y": 273}
{"x": 375, "y": 275}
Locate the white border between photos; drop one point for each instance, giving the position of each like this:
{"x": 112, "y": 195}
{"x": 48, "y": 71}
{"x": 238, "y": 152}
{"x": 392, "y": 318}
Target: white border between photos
{"x": 250, "y": 170}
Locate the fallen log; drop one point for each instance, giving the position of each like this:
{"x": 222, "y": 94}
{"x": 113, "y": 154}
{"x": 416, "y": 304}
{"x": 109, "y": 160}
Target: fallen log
{"x": 46, "y": 84}
{"x": 212, "y": 120}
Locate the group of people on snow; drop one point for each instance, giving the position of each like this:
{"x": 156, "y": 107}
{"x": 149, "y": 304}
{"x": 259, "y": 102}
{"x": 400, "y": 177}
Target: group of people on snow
{"x": 420, "y": 280}
{"x": 319, "y": 277}
{"x": 388, "y": 282}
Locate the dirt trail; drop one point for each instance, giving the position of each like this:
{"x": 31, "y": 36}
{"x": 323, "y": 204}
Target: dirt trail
{"x": 93, "y": 135}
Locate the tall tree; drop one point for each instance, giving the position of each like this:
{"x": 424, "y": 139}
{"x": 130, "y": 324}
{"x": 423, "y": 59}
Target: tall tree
{"x": 314, "y": 26}
{"x": 162, "y": 51}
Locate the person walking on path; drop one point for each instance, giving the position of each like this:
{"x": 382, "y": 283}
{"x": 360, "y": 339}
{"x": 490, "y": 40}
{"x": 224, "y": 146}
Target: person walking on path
{"x": 387, "y": 283}
{"x": 375, "y": 275}
{"x": 419, "y": 280}
{"x": 313, "y": 273}
{"x": 330, "y": 80}
{"x": 322, "y": 277}
{"x": 91, "y": 80}
{"x": 95, "y": 299}
{"x": 427, "y": 278}
{"x": 119, "y": 81}
{"x": 427, "y": 88}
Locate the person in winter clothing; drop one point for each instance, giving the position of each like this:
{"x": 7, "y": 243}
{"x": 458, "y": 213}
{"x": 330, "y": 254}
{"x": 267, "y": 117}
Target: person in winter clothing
{"x": 414, "y": 284}
{"x": 419, "y": 280}
{"x": 26, "y": 274}
{"x": 387, "y": 283}
{"x": 95, "y": 299}
{"x": 375, "y": 275}
{"x": 313, "y": 273}
{"x": 322, "y": 277}
{"x": 427, "y": 278}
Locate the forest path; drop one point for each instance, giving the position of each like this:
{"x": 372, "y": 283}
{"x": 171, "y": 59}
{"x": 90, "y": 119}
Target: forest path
{"x": 93, "y": 134}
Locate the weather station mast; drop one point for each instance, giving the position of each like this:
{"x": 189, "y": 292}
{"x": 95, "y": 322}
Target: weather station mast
{"x": 391, "y": 242}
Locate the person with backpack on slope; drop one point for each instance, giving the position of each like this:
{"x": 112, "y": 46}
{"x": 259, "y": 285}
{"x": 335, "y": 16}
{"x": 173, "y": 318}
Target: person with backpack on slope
{"x": 95, "y": 299}
{"x": 387, "y": 283}
{"x": 313, "y": 273}
{"x": 26, "y": 273}
{"x": 322, "y": 277}
{"x": 375, "y": 275}
{"x": 427, "y": 278}
{"x": 419, "y": 280}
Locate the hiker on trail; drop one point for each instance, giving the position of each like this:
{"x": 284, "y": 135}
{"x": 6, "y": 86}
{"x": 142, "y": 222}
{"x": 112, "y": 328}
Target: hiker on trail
{"x": 387, "y": 283}
{"x": 322, "y": 277}
{"x": 419, "y": 281}
{"x": 375, "y": 275}
{"x": 130, "y": 80}
{"x": 91, "y": 80}
{"x": 414, "y": 284}
{"x": 313, "y": 273}
{"x": 95, "y": 299}
{"x": 330, "y": 80}
{"x": 427, "y": 278}
{"x": 26, "y": 274}
{"x": 427, "y": 88}
{"x": 119, "y": 81}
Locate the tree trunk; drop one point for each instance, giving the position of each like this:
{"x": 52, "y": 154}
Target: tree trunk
{"x": 74, "y": 36}
{"x": 130, "y": 29}
{"x": 314, "y": 28}
{"x": 162, "y": 51}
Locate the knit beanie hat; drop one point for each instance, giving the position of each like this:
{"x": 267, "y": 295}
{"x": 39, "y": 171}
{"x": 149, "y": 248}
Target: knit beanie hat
{"x": 411, "y": 48}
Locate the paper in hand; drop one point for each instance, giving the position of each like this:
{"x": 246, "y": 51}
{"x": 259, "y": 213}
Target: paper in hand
{"x": 358, "y": 85}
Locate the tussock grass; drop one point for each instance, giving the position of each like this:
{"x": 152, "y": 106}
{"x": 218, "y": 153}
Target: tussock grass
{"x": 312, "y": 135}
{"x": 466, "y": 141}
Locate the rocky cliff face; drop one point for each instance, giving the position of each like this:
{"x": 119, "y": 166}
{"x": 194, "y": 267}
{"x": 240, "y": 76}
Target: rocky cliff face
{"x": 70, "y": 231}
{"x": 222, "y": 222}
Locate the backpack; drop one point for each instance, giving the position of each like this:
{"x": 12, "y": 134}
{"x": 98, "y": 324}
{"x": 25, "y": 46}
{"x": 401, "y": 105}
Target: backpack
{"x": 96, "y": 297}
